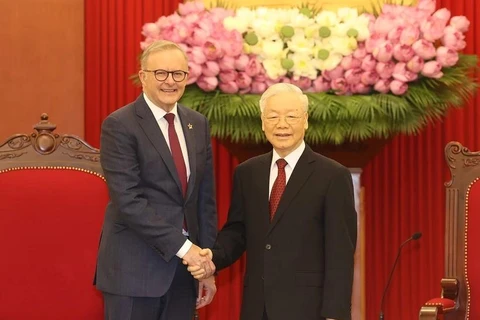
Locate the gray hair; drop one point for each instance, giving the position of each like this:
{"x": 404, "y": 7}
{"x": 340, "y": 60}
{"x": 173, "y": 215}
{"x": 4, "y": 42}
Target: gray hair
{"x": 278, "y": 88}
{"x": 159, "y": 45}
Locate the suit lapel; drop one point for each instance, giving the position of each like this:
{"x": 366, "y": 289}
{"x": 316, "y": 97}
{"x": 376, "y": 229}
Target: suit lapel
{"x": 150, "y": 126}
{"x": 188, "y": 132}
{"x": 299, "y": 176}
{"x": 262, "y": 177}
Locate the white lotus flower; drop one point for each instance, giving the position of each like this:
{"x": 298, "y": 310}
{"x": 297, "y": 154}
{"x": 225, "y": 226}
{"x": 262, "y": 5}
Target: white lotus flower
{"x": 300, "y": 44}
{"x": 273, "y": 68}
{"x": 303, "y": 66}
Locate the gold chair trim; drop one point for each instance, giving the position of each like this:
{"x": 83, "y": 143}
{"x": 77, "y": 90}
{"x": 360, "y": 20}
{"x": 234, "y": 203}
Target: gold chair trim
{"x": 55, "y": 168}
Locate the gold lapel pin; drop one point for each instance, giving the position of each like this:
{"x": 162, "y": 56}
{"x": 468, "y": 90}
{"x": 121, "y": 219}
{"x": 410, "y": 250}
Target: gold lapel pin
{"x": 190, "y": 126}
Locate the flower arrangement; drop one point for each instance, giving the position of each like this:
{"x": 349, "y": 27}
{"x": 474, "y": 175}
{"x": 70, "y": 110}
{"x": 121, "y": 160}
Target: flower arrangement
{"x": 366, "y": 74}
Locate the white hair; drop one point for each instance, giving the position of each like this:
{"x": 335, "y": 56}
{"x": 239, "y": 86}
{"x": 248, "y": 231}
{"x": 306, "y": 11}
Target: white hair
{"x": 278, "y": 88}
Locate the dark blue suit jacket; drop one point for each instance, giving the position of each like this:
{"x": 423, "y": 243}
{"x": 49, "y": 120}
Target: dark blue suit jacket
{"x": 142, "y": 229}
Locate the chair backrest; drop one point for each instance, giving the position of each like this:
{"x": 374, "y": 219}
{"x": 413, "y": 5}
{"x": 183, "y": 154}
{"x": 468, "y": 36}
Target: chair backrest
{"x": 52, "y": 199}
{"x": 462, "y": 229}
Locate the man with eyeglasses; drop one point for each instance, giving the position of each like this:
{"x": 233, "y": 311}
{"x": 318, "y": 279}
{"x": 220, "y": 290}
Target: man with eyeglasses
{"x": 293, "y": 213}
{"x": 157, "y": 159}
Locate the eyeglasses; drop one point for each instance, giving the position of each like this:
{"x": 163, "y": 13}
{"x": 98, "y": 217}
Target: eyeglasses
{"x": 162, "y": 75}
{"x": 289, "y": 119}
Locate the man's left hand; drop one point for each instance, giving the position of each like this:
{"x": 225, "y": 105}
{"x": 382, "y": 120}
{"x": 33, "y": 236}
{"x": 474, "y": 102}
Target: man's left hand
{"x": 206, "y": 291}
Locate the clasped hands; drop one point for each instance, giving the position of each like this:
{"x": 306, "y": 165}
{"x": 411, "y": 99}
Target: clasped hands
{"x": 202, "y": 268}
{"x": 199, "y": 262}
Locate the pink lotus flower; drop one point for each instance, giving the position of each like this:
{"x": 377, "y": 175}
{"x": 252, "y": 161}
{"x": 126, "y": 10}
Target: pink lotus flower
{"x": 231, "y": 41}
{"x": 433, "y": 29}
{"x": 409, "y": 35}
{"x": 460, "y": 23}
{"x": 333, "y": 74}
{"x": 360, "y": 52}
{"x": 226, "y": 63}
{"x": 443, "y": 15}
{"x": 241, "y": 62}
{"x": 369, "y": 78}
{"x": 349, "y": 62}
{"x": 194, "y": 71}
{"x": 373, "y": 42}
{"x": 453, "y": 39}
{"x": 398, "y": 87}
{"x": 403, "y": 52}
{"x": 395, "y": 33}
{"x": 207, "y": 83}
{"x": 415, "y": 64}
{"x": 401, "y": 73}
{"x": 383, "y": 52}
{"x": 253, "y": 66}
{"x": 360, "y": 88}
{"x": 385, "y": 69}
{"x": 243, "y": 81}
{"x": 210, "y": 69}
{"x": 447, "y": 57}
{"x": 302, "y": 82}
{"x": 150, "y": 30}
{"x": 353, "y": 76}
{"x": 321, "y": 84}
{"x": 228, "y": 87}
{"x": 190, "y": 7}
{"x": 340, "y": 86}
{"x": 258, "y": 87}
{"x": 382, "y": 86}
{"x": 432, "y": 69}
{"x": 228, "y": 75}
{"x": 368, "y": 63}
{"x": 212, "y": 49}
{"x": 385, "y": 23}
{"x": 427, "y": 5}
{"x": 424, "y": 49}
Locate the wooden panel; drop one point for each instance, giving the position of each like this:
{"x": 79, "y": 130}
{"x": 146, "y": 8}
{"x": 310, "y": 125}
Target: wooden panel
{"x": 42, "y": 64}
{"x": 325, "y": 4}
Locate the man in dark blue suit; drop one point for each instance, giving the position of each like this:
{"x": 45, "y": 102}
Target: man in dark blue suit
{"x": 157, "y": 159}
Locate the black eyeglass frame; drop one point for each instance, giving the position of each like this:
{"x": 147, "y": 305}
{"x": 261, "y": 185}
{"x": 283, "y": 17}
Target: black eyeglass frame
{"x": 185, "y": 73}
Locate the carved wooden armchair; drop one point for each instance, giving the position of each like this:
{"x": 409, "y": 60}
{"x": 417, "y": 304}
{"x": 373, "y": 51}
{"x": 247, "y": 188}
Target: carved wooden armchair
{"x": 460, "y": 298}
{"x": 52, "y": 200}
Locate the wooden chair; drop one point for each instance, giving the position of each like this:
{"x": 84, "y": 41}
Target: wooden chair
{"x": 52, "y": 199}
{"x": 460, "y": 297}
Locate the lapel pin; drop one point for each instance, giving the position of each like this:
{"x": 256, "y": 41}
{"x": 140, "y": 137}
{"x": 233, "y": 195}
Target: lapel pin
{"x": 190, "y": 126}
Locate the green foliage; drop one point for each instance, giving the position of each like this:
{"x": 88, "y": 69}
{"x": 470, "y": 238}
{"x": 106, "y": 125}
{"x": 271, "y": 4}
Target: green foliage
{"x": 336, "y": 119}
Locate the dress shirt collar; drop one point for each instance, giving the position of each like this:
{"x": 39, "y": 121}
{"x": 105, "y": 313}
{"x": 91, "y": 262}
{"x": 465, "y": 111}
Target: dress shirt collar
{"x": 158, "y": 112}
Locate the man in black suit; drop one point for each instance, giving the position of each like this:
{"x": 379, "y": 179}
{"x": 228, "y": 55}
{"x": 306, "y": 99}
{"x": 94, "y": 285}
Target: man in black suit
{"x": 293, "y": 212}
{"x": 157, "y": 159}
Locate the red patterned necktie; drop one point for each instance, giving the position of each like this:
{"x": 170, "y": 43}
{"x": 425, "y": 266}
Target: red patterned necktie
{"x": 278, "y": 187}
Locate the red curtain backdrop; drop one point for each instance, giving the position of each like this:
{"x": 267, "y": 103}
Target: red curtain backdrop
{"x": 403, "y": 185}
{"x": 404, "y": 193}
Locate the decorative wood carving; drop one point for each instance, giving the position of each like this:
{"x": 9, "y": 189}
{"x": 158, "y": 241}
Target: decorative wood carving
{"x": 45, "y": 147}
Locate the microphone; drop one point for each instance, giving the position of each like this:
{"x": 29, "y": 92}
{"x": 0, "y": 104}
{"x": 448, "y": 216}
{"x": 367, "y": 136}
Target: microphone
{"x": 415, "y": 236}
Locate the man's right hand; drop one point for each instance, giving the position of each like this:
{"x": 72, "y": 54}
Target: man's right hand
{"x": 199, "y": 262}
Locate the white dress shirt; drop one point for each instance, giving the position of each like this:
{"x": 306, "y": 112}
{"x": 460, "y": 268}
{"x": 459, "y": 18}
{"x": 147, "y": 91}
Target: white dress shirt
{"x": 159, "y": 114}
{"x": 291, "y": 159}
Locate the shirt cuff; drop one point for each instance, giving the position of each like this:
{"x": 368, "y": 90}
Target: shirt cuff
{"x": 184, "y": 249}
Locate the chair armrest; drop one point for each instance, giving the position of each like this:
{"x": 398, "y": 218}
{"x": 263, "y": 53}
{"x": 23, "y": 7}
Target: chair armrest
{"x": 445, "y": 304}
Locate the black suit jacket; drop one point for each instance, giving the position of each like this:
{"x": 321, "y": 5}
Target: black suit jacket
{"x": 300, "y": 265}
{"x": 142, "y": 230}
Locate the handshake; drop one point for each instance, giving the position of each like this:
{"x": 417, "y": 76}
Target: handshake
{"x": 199, "y": 262}
{"x": 200, "y": 265}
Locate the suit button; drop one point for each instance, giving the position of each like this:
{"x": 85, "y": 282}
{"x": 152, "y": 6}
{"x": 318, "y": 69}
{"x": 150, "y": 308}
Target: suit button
{"x": 263, "y": 278}
{"x": 268, "y": 247}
